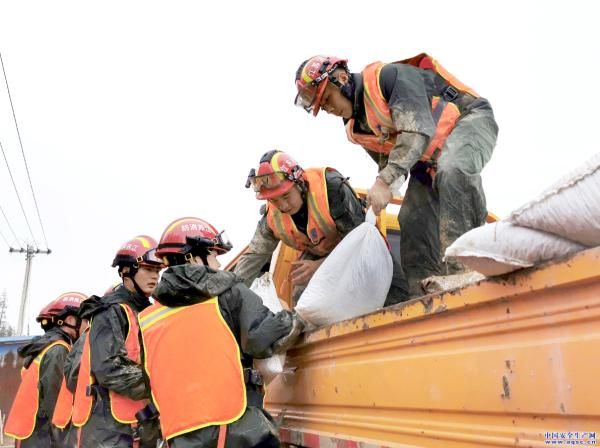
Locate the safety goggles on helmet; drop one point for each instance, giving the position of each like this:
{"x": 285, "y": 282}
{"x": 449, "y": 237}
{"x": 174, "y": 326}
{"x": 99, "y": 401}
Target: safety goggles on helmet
{"x": 221, "y": 242}
{"x": 149, "y": 258}
{"x": 268, "y": 181}
{"x": 310, "y": 93}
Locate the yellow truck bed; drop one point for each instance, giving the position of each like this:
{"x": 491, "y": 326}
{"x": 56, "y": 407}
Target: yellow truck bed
{"x": 505, "y": 362}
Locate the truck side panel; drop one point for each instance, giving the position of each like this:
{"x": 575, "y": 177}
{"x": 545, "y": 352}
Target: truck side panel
{"x": 500, "y": 363}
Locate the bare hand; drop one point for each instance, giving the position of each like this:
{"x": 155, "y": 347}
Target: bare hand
{"x": 303, "y": 270}
{"x": 379, "y": 196}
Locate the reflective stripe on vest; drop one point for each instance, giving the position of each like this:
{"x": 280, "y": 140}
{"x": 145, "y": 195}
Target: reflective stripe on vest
{"x": 122, "y": 408}
{"x": 63, "y": 408}
{"x": 322, "y": 233}
{"x": 82, "y": 403}
{"x": 22, "y": 417}
{"x": 193, "y": 362}
{"x": 379, "y": 117}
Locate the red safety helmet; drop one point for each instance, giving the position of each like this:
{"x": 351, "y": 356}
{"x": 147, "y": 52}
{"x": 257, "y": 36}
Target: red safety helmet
{"x": 56, "y": 311}
{"x": 136, "y": 252}
{"x": 276, "y": 174}
{"x": 312, "y": 78}
{"x": 184, "y": 236}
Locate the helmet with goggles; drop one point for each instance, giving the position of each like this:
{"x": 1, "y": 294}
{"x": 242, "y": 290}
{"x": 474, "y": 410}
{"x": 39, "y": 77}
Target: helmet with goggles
{"x": 55, "y": 313}
{"x": 136, "y": 252}
{"x": 187, "y": 237}
{"x": 312, "y": 78}
{"x": 276, "y": 174}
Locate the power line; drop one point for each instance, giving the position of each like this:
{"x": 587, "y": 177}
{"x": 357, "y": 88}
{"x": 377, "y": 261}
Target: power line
{"x": 17, "y": 192}
{"x": 10, "y": 227}
{"x": 23, "y": 153}
{"x": 5, "y": 240}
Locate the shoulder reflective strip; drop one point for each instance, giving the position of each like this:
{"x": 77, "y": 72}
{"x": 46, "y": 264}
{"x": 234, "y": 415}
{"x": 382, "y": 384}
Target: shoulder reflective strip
{"x": 382, "y": 114}
{"x": 314, "y": 205}
{"x": 149, "y": 312}
{"x": 278, "y": 220}
{"x": 164, "y": 312}
{"x": 38, "y": 358}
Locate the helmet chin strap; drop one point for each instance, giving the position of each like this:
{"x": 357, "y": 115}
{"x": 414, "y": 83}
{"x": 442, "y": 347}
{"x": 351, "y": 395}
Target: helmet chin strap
{"x": 347, "y": 89}
{"x": 62, "y": 323}
{"x": 131, "y": 275}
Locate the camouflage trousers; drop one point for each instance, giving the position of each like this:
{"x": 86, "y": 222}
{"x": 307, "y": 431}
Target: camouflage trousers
{"x": 436, "y": 211}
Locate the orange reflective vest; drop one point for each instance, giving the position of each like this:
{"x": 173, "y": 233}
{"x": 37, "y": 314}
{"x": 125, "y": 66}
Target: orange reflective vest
{"x": 63, "y": 408}
{"x": 123, "y": 409}
{"x": 22, "y": 417}
{"x": 193, "y": 362}
{"x": 379, "y": 117}
{"x": 322, "y": 233}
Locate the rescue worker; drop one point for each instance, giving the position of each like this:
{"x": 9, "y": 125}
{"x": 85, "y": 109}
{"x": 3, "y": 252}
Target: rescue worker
{"x": 111, "y": 388}
{"x": 71, "y": 372}
{"x": 200, "y": 338}
{"x": 42, "y": 392}
{"x": 310, "y": 210}
{"x": 412, "y": 116}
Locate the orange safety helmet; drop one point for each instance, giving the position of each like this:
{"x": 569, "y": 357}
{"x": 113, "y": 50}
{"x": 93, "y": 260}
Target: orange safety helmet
{"x": 137, "y": 251}
{"x": 312, "y": 78}
{"x": 55, "y": 312}
{"x": 188, "y": 237}
{"x": 276, "y": 174}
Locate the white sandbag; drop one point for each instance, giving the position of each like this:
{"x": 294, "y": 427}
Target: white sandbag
{"x": 265, "y": 288}
{"x": 570, "y": 208}
{"x": 501, "y": 247}
{"x": 353, "y": 280}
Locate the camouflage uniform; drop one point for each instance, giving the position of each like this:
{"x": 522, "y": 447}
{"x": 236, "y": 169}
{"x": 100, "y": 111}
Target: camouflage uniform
{"x": 347, "y": 211}
{"x": 435, "y": 210}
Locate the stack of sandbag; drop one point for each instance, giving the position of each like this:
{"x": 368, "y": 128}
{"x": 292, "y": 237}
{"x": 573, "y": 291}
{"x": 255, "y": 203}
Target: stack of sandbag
{"x": 353, "y": 280}
{"x": 265, "y": 288}
{"x": 563, "y": 220}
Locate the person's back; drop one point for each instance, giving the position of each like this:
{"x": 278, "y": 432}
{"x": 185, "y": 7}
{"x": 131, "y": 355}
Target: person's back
{"x": 30, "y": 419}
{"x": 208, "y": 322}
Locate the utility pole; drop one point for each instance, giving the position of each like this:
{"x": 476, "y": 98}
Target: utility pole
{"x": 30, "y": 252}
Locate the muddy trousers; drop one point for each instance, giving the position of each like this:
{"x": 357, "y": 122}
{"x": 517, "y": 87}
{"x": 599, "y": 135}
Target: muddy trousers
{"x": 436, "y": 211}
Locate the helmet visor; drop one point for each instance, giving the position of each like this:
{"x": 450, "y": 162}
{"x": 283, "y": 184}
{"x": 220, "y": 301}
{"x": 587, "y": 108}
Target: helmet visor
{"x": 150, "y": 258}
{"x": 268, "y": 181}
{"x": 222, "y": 242}
{"x": 307, "y": 93}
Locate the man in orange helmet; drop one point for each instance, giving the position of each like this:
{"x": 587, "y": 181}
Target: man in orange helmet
{"x": 412, "y": 116}
{"x": 111, "y": 387}
{"x": 309, "y": 210}
{"x": 42, "y": 384}
{"x": 200, "y": 339}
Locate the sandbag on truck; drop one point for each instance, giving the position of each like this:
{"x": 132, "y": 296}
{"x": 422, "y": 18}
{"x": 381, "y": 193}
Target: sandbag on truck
{"x": 563, "y": 220}
{"x": 353, "y": 280}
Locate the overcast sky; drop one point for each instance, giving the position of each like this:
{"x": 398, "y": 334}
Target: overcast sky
{"x": 133, "y": 114}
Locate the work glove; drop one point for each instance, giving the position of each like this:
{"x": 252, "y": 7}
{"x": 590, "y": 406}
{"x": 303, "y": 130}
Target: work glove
{"x": 298, "y": 324}
{"x": 379, "y": 196}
